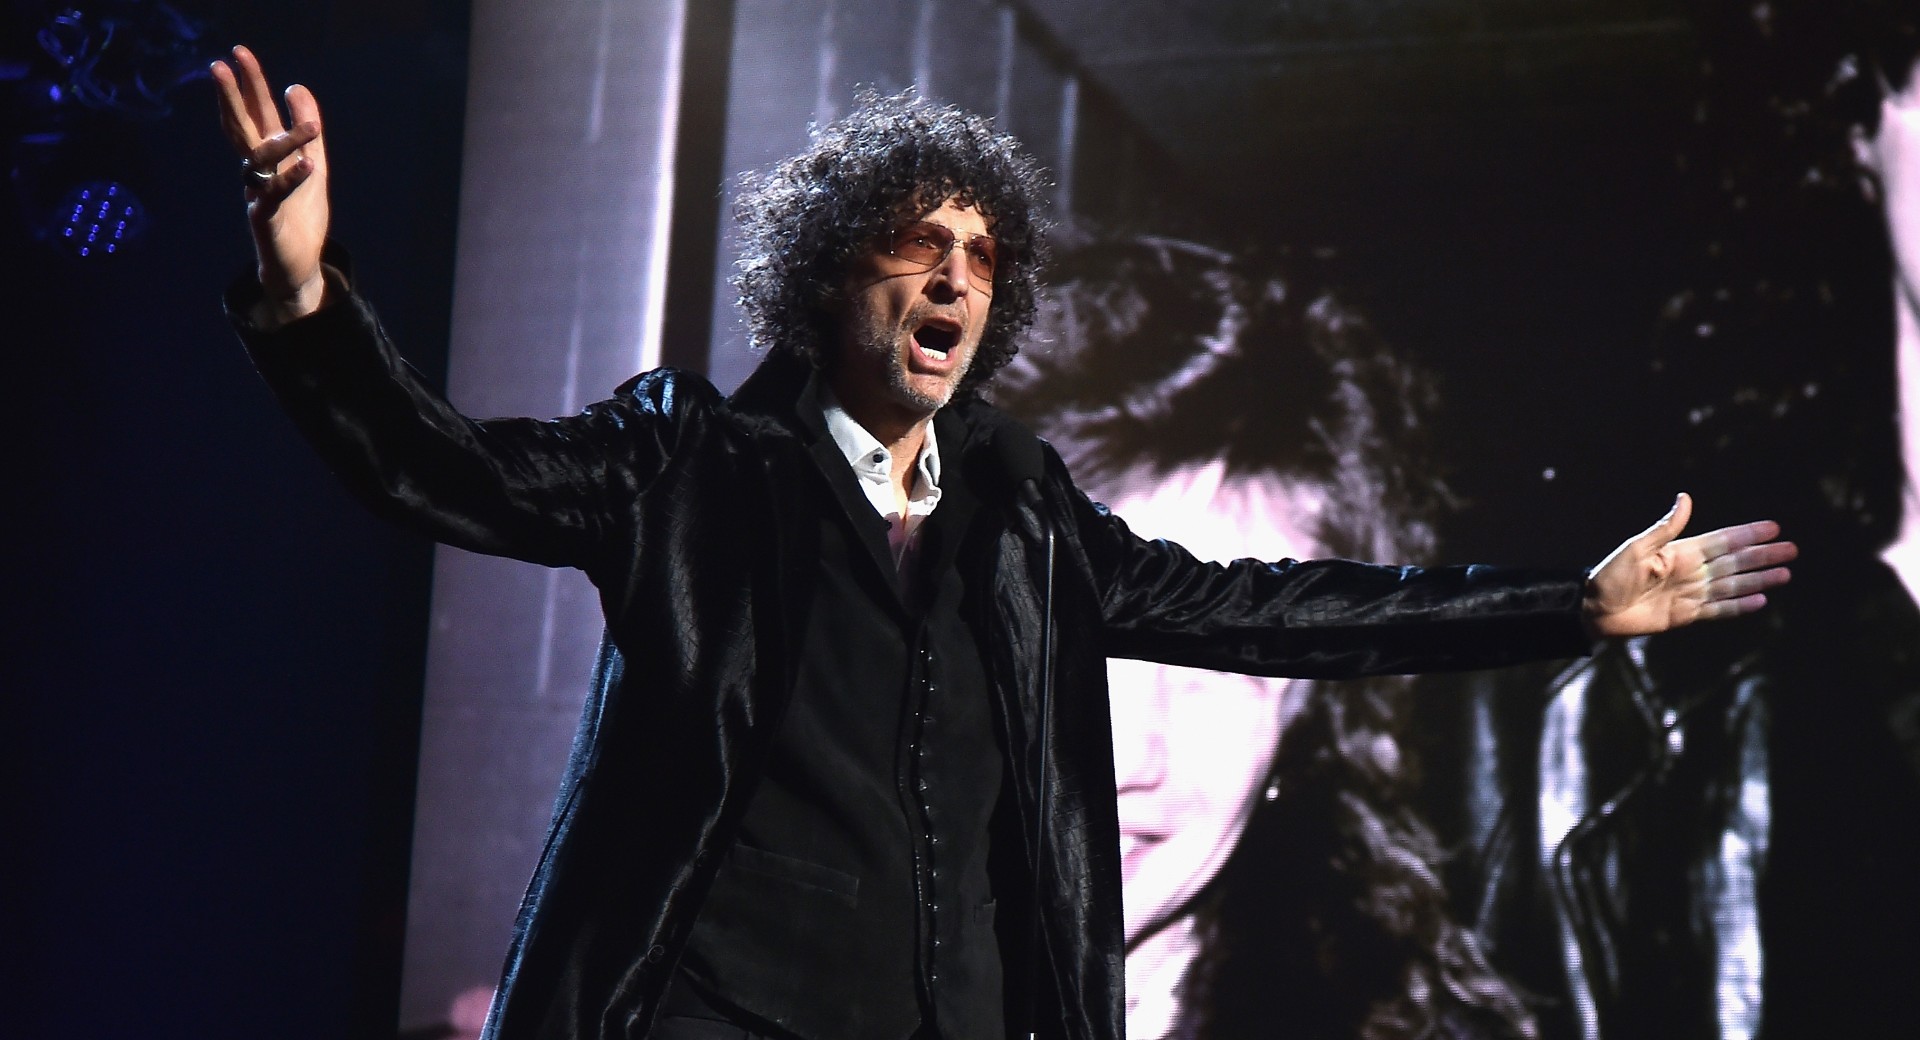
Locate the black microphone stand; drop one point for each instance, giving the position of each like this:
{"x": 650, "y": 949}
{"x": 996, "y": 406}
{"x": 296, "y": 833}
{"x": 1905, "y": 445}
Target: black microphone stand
{"x": 1035, "y": 934}
{"x": 1023, "y": 458}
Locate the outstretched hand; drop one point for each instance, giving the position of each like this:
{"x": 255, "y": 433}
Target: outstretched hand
{"x": 287, "y": 212}
{"x": 1658, "y": 580}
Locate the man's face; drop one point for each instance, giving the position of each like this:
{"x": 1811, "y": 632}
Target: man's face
{"x": 907, "y": 333}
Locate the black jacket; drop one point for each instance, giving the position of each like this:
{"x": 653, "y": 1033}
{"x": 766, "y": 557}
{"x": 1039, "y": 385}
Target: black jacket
{"x": 672, "y": 499}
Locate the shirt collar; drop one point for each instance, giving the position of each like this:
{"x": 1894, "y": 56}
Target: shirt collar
{"x": 869, "y": 458}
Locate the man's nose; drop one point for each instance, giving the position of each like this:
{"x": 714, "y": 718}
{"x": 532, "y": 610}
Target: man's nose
{"x": 953, "y": 273}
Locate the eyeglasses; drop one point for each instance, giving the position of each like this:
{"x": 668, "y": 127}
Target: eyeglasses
{"x": 925, "y": 245}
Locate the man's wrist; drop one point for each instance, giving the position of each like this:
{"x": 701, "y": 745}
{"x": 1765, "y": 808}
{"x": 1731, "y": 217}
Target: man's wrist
{"x": 269, "y": 313}
{"x": 1590, "y": 608}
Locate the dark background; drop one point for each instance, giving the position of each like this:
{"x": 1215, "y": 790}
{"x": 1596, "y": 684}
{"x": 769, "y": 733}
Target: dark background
{"x": 214, "y": 666}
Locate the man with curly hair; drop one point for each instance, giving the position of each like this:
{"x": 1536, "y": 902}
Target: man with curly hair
{"x": 801, "y": 795}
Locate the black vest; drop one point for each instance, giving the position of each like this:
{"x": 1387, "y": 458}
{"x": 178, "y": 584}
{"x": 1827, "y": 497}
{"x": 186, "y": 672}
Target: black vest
{"x": 855, "y": 902}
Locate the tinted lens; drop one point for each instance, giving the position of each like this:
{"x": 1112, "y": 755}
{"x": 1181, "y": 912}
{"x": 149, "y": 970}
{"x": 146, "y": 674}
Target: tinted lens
{"x": 983, "y": 257}
{"x": 922, "y": 243}
{"x": 926, "y": 244}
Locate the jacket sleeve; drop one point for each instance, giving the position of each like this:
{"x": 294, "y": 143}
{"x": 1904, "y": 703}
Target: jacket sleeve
{"x": 552, "y": 492}
{"x": 1320, "y": 618}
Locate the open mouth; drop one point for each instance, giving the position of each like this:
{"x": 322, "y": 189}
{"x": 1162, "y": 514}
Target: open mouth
{"x": 936, "y": 339}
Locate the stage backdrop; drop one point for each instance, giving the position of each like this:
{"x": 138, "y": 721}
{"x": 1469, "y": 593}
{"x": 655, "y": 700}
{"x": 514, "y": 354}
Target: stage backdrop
{"x": 1557, "y": 259}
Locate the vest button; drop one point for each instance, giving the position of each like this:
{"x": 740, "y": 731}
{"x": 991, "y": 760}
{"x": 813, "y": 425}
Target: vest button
{"x": 657, "y": 954}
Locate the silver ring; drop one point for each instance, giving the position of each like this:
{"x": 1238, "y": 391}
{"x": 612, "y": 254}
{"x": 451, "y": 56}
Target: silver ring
{"x": 255, "y": 176}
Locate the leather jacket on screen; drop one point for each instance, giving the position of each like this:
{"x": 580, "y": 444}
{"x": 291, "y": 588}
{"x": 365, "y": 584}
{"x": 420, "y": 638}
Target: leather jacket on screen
{"x": 1715, "y": 834}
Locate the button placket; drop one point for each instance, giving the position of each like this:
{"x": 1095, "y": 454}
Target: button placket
{"x": 921, "y": 759}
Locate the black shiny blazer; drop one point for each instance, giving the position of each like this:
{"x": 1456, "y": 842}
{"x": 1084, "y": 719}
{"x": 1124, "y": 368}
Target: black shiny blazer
{"x": 665, "y": 495}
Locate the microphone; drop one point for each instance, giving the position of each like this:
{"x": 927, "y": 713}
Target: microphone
{"x": 1023, "y": 461}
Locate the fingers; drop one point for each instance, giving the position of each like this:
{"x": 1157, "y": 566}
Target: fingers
{"x": 250, "y": 117}
{"x": 1752, "y": 558}
{"x": 1742, "y": 548}
{"x": 257, "y": 95}
{"x": 270, "y": 153}
{"x": 1728, "y": 608}
{"x": 252, "y": 123}
{"x": 305, "y": 110}
{"x": 1740, "y": 586}
{"x": 302, "y": 143}
{"x": 233, "y": 109}
{"x": 1732, "y": 539}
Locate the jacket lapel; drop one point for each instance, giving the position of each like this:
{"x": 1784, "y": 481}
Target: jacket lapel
{"x": 781, "y": 390}
{"x": 946, "y": 529}
{"x": 869, "y": 527}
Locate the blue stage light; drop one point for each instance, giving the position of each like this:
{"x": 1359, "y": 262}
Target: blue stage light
{"x": 98, "y": 219}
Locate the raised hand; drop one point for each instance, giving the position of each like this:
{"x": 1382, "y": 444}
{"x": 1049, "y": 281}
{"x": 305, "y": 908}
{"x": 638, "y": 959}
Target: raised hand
{"x": 1658, "y": 580}
{"x": 287, "y": 210}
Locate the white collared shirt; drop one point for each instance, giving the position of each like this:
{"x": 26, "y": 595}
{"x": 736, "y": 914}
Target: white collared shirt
{"x": 874, "y": 467}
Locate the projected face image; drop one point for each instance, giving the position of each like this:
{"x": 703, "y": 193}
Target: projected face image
{"x": 1193, "y": 748}
{"x": 1894, "y": 154}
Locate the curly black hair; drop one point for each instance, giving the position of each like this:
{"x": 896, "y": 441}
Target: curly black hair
{"x": 893, "y": 158}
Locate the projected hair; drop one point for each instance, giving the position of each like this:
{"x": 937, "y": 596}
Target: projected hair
{"x": 1166, "y": 354}
{"x": 892, "y": 159}
{"x": 1778, "y": 353}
